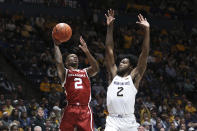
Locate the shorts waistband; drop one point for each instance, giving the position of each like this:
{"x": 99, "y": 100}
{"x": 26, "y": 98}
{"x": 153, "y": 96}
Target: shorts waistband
{"x": 76, "y": 104}
{"x": 122, "y": 115}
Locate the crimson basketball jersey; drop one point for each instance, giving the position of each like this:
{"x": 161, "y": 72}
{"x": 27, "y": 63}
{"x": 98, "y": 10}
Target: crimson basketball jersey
{"x": 77, "y": 87}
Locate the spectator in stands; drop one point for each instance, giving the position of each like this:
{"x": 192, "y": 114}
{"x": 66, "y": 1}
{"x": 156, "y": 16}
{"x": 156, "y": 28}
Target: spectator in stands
{"x": 172, "y": 127}
{"x": 8, "y": 107}
{"x": 99, "y": 116}
{"x": 57, "y": 110}
{"x": 159, "y": 126}
{"x": 45, "y": 86}
{"x": 162, "y": 129}
{"x": 34, "y": 64}
{"x": 147, "y": 126}
{"x": 15, "y": 115}
{"x": 171, "y": 72}
{"x": 48, "y": 125}
{"x": 21, "y": 106}
{"x": 46, "y": 57}
{"x": 144, "y": 114}
{"x": 188, "y": 87}
{"x": 180, "y": 111}
{"x": 7, "y": 85}
{"x": 4, "y": 128}
{"x": 55, "y": 84}
{"x": 5, "y": 119}
{"x": 190, "y": 108}
{"x": 141, "y": 128}
{"x": 52, "y": 71}
{"x": 25, "y": 121}
{"x": 128, "y": 40}
{"x": 2, "y": 99}
{"x": 20, "y": 92}
{"x": 45, "y": 110}
{"x": 176, "y": 121}
{"x": 37, "y": 128}
{"x": 182, "y": 127}
{"x": 39, "y": 121}
{"x": 54, "y": 96}
{"x": 54, "y": 121}
{"x": 1, "y": 112}
{"x": 153, "y": 119}
{"x": 32, "y": 107}
{"x": 14, "y": 127}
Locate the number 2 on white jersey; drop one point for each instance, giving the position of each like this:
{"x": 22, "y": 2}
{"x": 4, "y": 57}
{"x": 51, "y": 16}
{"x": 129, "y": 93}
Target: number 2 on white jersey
{"x": 120, "y": 90}
{"x": 78, "y": 83}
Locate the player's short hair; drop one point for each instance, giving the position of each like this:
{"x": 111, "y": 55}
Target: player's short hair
{"x": 132, "y": 61}
{"x": 69, "y": 55}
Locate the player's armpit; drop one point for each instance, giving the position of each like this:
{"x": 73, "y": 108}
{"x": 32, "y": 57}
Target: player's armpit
{"x": 136, "y": 77}
{"x": 91, "y": 71}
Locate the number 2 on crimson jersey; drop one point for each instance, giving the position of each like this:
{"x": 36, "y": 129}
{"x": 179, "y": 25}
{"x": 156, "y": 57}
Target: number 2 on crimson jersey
{"x": 78, "y": 83}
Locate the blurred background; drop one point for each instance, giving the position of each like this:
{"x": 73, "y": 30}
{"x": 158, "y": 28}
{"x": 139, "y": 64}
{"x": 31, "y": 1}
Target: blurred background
{"x": 167, "y": 96}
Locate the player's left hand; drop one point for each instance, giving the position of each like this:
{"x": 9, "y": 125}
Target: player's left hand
{"x": 143, "y": 22}
{"x": 83, "y": 45}
{"x": 110, "y": 17}
{"x": 56, "y": 42}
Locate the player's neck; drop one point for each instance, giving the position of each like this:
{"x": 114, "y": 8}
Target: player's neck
{"x": 123, "y": 75}
{"x": 72, "y": 68}
{"x": 126, "y": 75}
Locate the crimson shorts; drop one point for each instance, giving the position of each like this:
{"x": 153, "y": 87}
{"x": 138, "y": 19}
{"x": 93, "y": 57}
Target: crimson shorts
{"x": 77, "y": 116}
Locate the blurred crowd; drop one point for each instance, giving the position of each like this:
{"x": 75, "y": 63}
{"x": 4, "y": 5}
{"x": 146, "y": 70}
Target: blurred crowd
{"x": 20, "y": 114}
{"x": 170, "y": 9}
{"x": 167, "y": 93}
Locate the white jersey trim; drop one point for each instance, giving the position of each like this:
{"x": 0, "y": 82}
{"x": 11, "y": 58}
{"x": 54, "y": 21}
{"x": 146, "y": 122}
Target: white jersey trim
{"x": 91, "y": 121}
{"x": 133, "y": 84}
{"x": 66, "y": 72}
{"x": 91, "y": 117}
{"x": 85, "y": 69}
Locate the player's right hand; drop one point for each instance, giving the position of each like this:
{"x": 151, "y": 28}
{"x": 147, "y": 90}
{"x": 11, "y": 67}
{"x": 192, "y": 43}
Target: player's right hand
{"x": 110, "y": 17}
{"x": 83, "y": 45}
{"x": 143, "y": 22}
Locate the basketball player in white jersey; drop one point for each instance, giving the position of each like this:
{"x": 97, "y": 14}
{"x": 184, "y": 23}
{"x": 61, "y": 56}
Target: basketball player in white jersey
{"x": 124, "y": 81}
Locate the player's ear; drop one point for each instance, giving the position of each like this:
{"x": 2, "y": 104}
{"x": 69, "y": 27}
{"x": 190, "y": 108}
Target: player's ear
{"x": 130, "y": 67}
{"x": 66, "y": 63}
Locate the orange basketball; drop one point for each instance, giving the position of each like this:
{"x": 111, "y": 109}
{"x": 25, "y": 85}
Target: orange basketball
{"x": 62, "y": 32}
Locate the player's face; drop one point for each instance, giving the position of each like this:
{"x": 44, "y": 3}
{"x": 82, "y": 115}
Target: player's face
{"x": 72, "y": 60}
{"x": 124, "y": 66}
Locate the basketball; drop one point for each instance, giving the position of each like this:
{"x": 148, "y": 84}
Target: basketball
{"x": 62, "y": 32}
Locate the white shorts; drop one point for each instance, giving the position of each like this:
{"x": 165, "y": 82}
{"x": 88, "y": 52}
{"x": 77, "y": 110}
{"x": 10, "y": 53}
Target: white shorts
{"x": 119, "y": 123}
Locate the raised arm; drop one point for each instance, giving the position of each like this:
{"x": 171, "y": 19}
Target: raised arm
{"x": 59, "y": 61}
{"x": 94, "y": 67}
{"x": 109, "y": 53}
{"x": 138, "y": 72}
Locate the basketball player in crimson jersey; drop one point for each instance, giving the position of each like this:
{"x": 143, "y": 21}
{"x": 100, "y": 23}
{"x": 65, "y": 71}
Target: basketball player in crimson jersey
{"x": 124, "y": 81}
{"x": 77, "y": 113}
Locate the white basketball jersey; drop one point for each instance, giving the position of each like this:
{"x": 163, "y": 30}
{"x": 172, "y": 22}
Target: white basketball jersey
{"x": 121, "y": 95}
